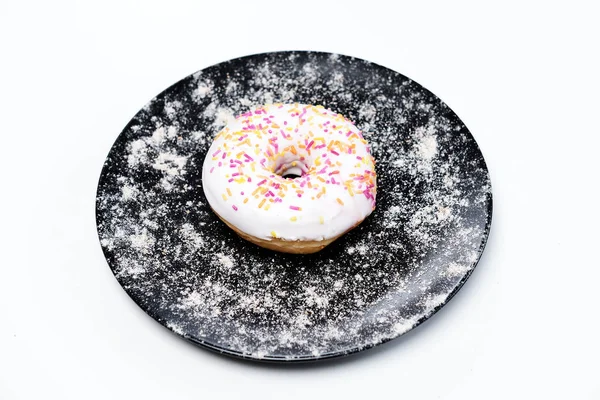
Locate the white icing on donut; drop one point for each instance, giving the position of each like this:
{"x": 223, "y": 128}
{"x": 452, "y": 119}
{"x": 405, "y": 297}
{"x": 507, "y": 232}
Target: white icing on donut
{"x": 243, "y": 182}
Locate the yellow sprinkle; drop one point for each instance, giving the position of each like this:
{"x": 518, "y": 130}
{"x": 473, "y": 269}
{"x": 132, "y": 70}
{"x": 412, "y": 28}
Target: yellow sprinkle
{"x": 239, "y": 155}
{"x": 321, "y": 219}
{"x": 229, "y": 192}
{"x": 273, "y": 234}
{"x": 224, "y": 197}
{"x": 267, "y": 207}
{"x": 245, "y": 200}
{"x": 294, "y": 163}
{"x": 261, "y": 203}
{"x": 340, "y": 201}
{"x": 293, "y": 219}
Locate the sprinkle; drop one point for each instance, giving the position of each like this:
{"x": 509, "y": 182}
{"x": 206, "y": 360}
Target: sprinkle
{"x": 273, "y": 234}
{"x": 340, "y": 201}
{"x": 216, "y": 152}
{"x": 234, "y": 207}
{"x": 248, "y": 158}
{"x": 229, "y": 192}
{"x": 293, "y": 219}
{"x": 261, "y": 203}
{"x": 295, "y": 208}
{"x": 334, "y": 152}
{"x": 261, "y": 182}
{"x": 321, "y": 220}
{"x": 224, "y": 155}
{"x": 212, "y": 169}
{"x": 245, "y": 200}
{"x": 224, "y": 197}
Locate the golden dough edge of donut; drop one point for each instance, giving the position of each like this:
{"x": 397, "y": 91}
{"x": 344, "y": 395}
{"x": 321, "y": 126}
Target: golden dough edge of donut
{"x": 287, "y": 246}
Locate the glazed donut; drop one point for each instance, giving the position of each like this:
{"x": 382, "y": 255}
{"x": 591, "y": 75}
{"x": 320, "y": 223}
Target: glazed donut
{"x": 290, "y": 177}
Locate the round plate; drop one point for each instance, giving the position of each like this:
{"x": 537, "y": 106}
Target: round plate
{"x": 195, "y": 276}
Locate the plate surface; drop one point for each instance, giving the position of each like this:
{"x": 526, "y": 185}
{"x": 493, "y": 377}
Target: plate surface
{"x": 195, "y": 276}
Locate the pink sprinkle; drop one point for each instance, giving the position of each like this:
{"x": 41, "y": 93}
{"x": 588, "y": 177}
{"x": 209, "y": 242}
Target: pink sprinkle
{"x": 348, "y": 133}
{"x": 212, "y": 169}
{"x": 248, "y": 158}
{"x": 322, "y": 171}
{"x": 299, "y": 195}
{"x": 333, "y": 180}
{"x": 243, "y": 137}
{"x": 294, "y": 208}
{"x": 270, "y": 194}
{"x": 220, "y": 163}
{"x": 334, "y": 152}
{"x": 241, "y": 193}
{"x": 232, "y": 166}
{"x": 270, "y": 131}
{"x": 303, "y": 183}
{"x": 285, "y": 122}
{"x": 320, "y": 146}
{"x": 349, "y": 150}
{"x": 249, "y": 179}
{"x": 236, "y": 174}
{"x": 310, "y": 144}
{"x": 224, "y": 155}
{"x": 216, "y": 152}
{"x": 238, "y": 161}
{"x": 230, "y": 180}
{"x": 234, "y": 207}
{"x": 261, "y": 182}
{"x": 358, "y": 157}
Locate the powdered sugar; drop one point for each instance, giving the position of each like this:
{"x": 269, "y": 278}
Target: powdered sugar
{"x": 194, "y": 275}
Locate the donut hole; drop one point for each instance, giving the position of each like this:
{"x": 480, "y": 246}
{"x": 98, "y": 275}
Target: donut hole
{"x": 291, "y": 170}
{"x": 291, "y": 175}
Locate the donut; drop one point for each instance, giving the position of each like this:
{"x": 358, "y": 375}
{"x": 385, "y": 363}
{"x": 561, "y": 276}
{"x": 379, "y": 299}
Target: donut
{"x": 290, "y": 177}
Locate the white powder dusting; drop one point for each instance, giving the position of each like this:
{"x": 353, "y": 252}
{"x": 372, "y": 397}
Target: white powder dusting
{"x": 176, "y": 258}
{"x": 225, "y": 260}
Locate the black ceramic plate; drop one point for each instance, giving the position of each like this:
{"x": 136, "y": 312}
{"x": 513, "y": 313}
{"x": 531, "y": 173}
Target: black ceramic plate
{"x": 195, "y": 276}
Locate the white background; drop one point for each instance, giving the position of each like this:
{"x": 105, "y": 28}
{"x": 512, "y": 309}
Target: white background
{"x": 523, "y": 76}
